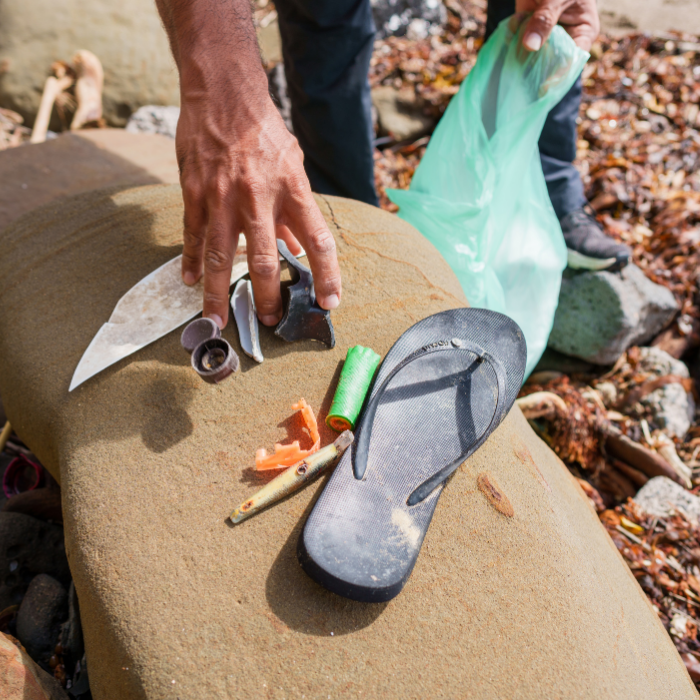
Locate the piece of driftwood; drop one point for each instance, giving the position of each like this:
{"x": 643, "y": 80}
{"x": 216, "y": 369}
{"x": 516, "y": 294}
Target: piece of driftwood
{"x": 54, "y": 87}
{"x": 88, "y": 89}
{"x": 550, "y": 406}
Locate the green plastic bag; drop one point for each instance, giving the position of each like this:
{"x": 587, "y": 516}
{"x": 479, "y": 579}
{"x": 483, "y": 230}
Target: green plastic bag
{"x": 479, "y": 194}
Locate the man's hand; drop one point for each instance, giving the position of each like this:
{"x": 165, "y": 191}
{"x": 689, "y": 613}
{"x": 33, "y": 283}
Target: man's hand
{"x": 240, "y": 169}
{"x": 578, "y": 17}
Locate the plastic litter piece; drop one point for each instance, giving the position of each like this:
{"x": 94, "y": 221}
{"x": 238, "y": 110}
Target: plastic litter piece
{"x": 287, "y": 455}
{"x": 293, "y": 478}
{"x": 245, "y": 313}
{"x": 197, "y": 332}
{"x": 214, "y": 360}
{"x": 21, "y": 474}
{"x": 479, "y": 195}
{"x": 303, "y": 318}
{"x": 357, "y": 374}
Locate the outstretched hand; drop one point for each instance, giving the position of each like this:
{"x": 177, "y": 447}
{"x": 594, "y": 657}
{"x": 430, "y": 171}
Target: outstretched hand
{"x": 241, "y": 171}
{"x": 246, "y": 174}
{"x": 578, "y": 17}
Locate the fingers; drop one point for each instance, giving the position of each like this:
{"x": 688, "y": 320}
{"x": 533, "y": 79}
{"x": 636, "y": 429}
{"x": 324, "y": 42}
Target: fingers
{"x": 194, "y": 226}
{"x": 540, "y": 26}
{"x": 264, "y": 268}
{"x": 287, "y": 236}
{"x": 310, "y": 228}
{"x": 219, "y": 249}
{"x": 585, "y": 34}
{"x": 578, "y": 17}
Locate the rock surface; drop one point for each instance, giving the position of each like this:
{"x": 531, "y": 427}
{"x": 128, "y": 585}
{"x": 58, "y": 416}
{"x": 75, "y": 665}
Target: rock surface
{"x": 157, "y": 568}
{"x": 660, "y": 496}
{"x": 34, "y": 175}
{"x": 601, "y": 314}
{"x": 28, "y": 547}
{"x": 22, "y": 678}
{"x": 671, "y": 405}
{"x": 126, "y": 36}
{"x": 400, "y": 113}
{"x": 414, "y": 18}
{"x": 43, "y": 610}
{"x": 154, "y": 119}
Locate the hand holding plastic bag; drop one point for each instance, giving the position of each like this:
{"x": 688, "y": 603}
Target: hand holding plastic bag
{"x": 479, "y": 194}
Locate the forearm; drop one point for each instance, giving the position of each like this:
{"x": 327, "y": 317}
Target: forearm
{"x": 216, "y": 50}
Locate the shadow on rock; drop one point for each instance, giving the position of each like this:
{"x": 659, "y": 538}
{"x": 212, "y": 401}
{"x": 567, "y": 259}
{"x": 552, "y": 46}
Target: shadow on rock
{"x": 306, "y": 607}
{"x": 167, "y": 422}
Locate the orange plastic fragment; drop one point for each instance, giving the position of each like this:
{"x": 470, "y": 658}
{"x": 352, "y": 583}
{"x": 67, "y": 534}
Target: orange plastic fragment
{"x": 287, "y": 455}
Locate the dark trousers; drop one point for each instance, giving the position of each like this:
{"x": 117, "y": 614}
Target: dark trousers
{"x": 327, "y": 46}
{"x": 558, "y": 139}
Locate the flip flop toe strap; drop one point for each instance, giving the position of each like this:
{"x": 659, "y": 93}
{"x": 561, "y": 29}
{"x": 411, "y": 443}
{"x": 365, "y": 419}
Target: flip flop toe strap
{"x": 361, "y": 447}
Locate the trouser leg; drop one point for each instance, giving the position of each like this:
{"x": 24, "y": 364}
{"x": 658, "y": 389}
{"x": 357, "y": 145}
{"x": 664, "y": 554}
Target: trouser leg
{"x": 558, "y": 140}
{"x": 327, "y": 47}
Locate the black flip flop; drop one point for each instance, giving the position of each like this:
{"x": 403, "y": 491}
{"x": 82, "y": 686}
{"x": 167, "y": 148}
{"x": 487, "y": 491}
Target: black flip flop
{"x": 443, "y": 388}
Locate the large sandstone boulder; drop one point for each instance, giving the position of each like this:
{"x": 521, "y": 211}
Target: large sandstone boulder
{"x": 127, "y": 36}
{"x": 175, "y": 603}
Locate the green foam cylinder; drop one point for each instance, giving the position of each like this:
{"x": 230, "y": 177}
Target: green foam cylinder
{"x": 355, "y": 378}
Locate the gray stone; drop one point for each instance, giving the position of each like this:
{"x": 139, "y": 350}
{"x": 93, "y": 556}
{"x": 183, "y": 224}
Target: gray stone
{"x": 660, "y": 496}
{"x": 672, "y": 407}
{"x": 601, "y": 314}
{"x": 43, "y": 609}
{"x": 126, "y": 36}
{"x": 28, "y": 547}
{"x": 401, "y": 17}
{"x": 400, "y": 113}
{"x": 154, "y": 119}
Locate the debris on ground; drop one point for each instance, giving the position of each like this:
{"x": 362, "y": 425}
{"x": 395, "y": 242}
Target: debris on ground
{"x": 38, "y": 605}
{"x": 285, "y": 456}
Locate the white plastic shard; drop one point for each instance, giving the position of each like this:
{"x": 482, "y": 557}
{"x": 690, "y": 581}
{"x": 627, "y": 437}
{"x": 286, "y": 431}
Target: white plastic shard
{"x": 243, "y": 307}
{"x": 152, "y": 308}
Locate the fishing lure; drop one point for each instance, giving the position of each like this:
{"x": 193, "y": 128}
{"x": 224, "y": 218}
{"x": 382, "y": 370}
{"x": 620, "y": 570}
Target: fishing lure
{"x": 293, "y": 478}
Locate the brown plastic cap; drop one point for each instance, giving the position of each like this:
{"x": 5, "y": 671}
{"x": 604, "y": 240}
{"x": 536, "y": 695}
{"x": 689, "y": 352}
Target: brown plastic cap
{"x": 197, "y": 332}
{"x": 214, "y": 360}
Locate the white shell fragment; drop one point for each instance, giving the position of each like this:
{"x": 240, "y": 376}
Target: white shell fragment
{"x": 243, "y": 307}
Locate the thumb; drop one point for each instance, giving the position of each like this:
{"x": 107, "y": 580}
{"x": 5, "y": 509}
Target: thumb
{"x": 540, "y": 25}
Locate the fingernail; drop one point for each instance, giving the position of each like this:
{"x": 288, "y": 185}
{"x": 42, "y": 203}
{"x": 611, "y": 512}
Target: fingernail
{"x": 330, "y": 302}
{"x": 269, "y": 320}
{"x": 189, "y": 279}
{"x": 217, "y": 320}
{"x": 533, "y": 42}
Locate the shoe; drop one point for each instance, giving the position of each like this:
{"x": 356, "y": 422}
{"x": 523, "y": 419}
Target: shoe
{"x": 443, "y": 388}
{"x": 588, "y": 246}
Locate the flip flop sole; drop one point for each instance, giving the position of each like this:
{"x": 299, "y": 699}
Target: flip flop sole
{"x": 442, "y": 389}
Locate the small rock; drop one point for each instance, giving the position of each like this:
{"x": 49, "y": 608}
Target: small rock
{"x": 43, "y": 609}
{"x": 660, "y": 496}
{"x": 28, "y": 547}
{"x": 22, "y": 678}
{"x": 601, "y": 314}
{"x": 395, "y": 17}
{"x": 400, "y": 113}
{"x": 154, "y": 119}
{"x": 658, "y": 361}
{"x": 672, "y": 407}
{"x": 608, "y": 393}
